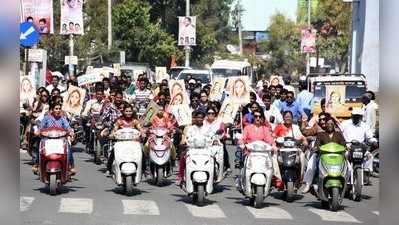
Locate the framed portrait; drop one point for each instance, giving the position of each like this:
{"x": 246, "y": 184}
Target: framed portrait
{"x": 228, "y": 111}
{"x": 73, "y": 100}
{"x": 335, "y": 99}
{"x": 218, "y": 85}
{"x": 182, "y": 114}
{"x": 178, "y": 93}
{"x": 239, "y": 89}
{"x": 152, "y": 110}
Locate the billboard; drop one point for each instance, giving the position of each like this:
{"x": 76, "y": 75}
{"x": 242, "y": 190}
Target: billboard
{"x": 187, "y": 30}
{"x": 71, "y": 17}
{"x": 308, "y": 41}
{"x": 40, "y": 13}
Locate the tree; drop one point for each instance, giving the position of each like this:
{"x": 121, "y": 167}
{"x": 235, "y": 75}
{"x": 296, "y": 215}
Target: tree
{"x": 283, "y": 46}
{"x": 142, "y": 40}
{"x": 332, "y": 21}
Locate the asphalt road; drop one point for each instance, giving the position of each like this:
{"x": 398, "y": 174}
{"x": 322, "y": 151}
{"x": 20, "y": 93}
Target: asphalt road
{"x": 94, "y": 199}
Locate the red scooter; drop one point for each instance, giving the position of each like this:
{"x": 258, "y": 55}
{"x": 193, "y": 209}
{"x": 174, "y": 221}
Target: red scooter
{"x": 53, "y": 159}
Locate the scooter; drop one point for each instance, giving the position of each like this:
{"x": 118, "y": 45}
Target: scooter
{"x": 160, "y": 149}
{"x": 257, "y": 172}
{"x": 200, "y": 167}
{"x": 128, "y": 155}
{"x": 290, "y": 166}
{"x": 357, "y": 156}
{"x": 330, "y": 184}
{"x": 96, "y": 126}
{"x": 76, "y": 124}
{"x": 53, "y": 158}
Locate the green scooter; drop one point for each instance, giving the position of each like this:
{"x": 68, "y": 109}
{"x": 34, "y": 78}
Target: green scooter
{"x": 330, "y": 184}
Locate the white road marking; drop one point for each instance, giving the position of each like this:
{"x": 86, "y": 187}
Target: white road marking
{"x": 140, "y": 207}
{"x": 339, "y": 216}
{"x": 208, "y": 211}
{"x": 376, "y": 213}
{"x": 269, "y": 213}
{"x": 76, "y": 205}
{"x": 25, "y": 203}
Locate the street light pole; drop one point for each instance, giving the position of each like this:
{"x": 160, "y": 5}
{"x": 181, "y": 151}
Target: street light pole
{"x": 239, "y": 26}
{"x": 71, "y": 46}
{"x": 109, "y": 24}
{"x": 307, "y": 54}
{"x": 187, "y": 48}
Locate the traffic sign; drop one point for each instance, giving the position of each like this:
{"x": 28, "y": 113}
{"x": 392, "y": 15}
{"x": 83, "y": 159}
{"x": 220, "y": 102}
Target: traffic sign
{"x": 29, "y": 35}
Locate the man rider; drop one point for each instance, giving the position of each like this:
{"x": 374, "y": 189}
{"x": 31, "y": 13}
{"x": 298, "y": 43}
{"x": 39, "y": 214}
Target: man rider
{"x": 189, "y": 133}
{"x": 355, "y": 129}
{"x": 329, "y": 134}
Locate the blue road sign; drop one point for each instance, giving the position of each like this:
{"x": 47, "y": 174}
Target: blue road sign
{"x": 29, "y": 35}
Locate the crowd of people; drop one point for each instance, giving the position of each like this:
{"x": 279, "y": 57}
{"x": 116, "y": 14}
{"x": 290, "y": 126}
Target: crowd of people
{"x": 273, "y": 111}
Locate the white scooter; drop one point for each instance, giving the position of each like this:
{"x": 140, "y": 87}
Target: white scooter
{"x": 200, "y": 167}
{"x": 160, "y": 149}
{"x": 256, "y": 175}
{"x": 128, "y": 158}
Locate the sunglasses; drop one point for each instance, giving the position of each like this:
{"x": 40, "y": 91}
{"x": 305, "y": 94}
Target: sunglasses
{"x": 289, "y": 97}
{"x": 257, "y": 116}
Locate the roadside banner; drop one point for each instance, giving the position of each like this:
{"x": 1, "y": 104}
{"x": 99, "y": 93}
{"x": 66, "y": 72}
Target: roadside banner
{"x": 308, "y": 42}
{"x": 187, "y": 30}
{"x": 40, "y": 13}
{"x": 71, "y": 17}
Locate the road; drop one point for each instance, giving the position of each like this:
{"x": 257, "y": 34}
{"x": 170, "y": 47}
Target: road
{"x": 93, "y": 199}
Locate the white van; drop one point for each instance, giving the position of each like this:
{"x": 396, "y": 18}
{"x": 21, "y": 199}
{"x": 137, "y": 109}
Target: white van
{"x": 204, "y": 76}
{"x": 229, "y": 68}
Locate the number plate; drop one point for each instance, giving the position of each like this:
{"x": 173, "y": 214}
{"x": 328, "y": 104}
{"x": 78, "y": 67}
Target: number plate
{"x": 54, "y": 146}
{"x": 357, "y": 155}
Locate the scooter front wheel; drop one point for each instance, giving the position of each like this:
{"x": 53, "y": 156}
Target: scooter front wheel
{"x": 259, "y": 196}
{"x": 290, "y": 192}
{"x": 159, "y": 178}
{"x": 334, "y": 202}
{"x": 357, "y": 195}
{"x": 129, "y": 185}
{"x": 200, "y": 195}
{"x": 53, "y": 184}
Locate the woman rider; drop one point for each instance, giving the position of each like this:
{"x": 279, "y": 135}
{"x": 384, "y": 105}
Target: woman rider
{"x": 256, "y": 132}
{"x": 127, "y": 120}
{"x": 288, "y": 129}
{"x": 56, "y": 119}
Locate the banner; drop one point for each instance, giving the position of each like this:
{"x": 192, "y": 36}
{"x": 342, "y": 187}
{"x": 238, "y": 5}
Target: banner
{"x": 89, "y": 78}
{"x": 308, "y": 42}
{"x": 228, "y": 111}
{"x": 160, "y": 74}
{"x": 152, "y": 110}
{"x": 73, "y": 100}
{"x": 182, "y": 113}
{"x": 216, "y": 92}
{"x": 71, "y": 17}
{"x": 239, "y": 89}
{"x": 187, "y": 30}
{"x": 40, "y": 13}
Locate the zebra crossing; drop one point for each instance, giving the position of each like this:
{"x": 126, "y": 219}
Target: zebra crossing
{"x": 211, "y": 211}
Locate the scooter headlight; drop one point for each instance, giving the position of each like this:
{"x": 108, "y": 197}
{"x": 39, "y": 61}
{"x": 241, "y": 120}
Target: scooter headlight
{"x": 334, "y": 169}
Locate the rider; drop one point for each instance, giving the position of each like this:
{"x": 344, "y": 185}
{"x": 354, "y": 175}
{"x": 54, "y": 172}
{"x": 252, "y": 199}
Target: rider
{"x": 93, "y": 106}
{"x": 189, "y": 132}
{"x": 214, "y": 126}
{"x": 272, "y": 113}
{"x": 56, "y": 119}
{"x": 355, "y": 129}
{"x": 255, "y": 132}
{"x": 127, "y": 120}
{"x": 329, "y": 134}
{"x": 288, "y": 129}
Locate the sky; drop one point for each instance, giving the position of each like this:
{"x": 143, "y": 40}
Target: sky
{"x": 257, "y": 13}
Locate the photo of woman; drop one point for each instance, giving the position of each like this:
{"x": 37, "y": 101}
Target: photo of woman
{"x": 182, "y": 113}
{"x": 177, "y": 99}
{"x": 228, "y": 111}
{"x": 176, "y": 86}
{"x": 217, "y": 89}
{"x": 27, "y": 90}
{"x": 238, "y": 90}
{"x": 73, "y": 101}
{"x": 335, "y": 99}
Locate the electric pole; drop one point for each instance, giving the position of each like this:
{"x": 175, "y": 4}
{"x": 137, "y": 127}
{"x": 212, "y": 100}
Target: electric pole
{"x": 187, "y": 48}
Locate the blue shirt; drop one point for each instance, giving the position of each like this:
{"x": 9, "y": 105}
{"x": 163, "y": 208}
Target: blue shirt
{"x": 295, "y": 108}
{"x": 305, "y": 99}
{"x": 50, "y": 121}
